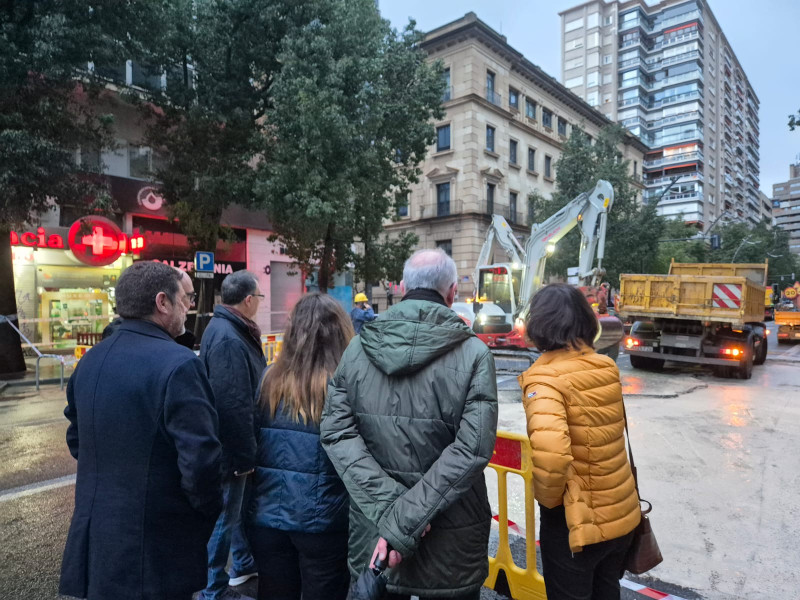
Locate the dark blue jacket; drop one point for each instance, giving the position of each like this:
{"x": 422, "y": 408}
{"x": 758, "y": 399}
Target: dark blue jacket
{"x": 144, "y": 431}
{"x": 295, "y": 487}
{"x": 234, "y": 362}
{"x": 359, "y": 316}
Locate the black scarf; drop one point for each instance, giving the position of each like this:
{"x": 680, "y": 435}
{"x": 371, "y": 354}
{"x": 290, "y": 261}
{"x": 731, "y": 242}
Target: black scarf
{"x": 425, "y": 294}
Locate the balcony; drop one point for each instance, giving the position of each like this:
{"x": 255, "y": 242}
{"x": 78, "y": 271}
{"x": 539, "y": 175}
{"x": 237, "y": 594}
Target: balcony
{"x": 494, "y": 97}
{"x": 677, "y": 98}
{"x": 693, "y": 15}
{"x": 678, "y": 39}
{"x": 681, "y": 179}
{"x": 440, "y": 209}
{"x": 675, "y": 158}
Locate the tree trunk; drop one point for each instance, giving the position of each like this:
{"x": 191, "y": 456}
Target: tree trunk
{"x": 325, "y": 264}
{"x": 12, "y": 362}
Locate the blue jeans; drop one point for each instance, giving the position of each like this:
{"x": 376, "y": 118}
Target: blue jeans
{"x": 228, "y": 537}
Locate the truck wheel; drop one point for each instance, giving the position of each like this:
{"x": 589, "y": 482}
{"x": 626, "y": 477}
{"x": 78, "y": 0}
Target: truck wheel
{"x": 761, "y": 356}
{"x": 745, "y": 369}
{"x": 643, "y": 362}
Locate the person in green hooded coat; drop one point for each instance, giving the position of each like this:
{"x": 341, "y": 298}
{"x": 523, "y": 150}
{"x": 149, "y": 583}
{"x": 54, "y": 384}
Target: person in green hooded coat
{"x": 410, "y": 425}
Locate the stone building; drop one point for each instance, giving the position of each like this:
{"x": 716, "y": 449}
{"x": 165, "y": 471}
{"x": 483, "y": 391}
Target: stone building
{"x": 505, "y": 125}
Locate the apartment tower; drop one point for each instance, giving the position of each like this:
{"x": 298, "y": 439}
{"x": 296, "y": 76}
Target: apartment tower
{"x": 786, "y": 200}
{"x": 667, "y": 73}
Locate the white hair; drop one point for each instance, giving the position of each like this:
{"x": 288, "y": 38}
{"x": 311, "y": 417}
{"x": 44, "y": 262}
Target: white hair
{"x": 431, "y": 269}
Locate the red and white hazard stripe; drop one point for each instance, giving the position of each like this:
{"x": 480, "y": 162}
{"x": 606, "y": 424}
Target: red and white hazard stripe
{"x": 727, "y": 295}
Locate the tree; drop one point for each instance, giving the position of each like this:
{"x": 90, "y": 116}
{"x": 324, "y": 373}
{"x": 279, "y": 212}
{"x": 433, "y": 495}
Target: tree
{"x": 794, "y": 121}
{"x": 352, "y": 111}
{"x": 677, "y": 243}
{"x": 48, "y": 115}
{"x": 741, "y": 243}
{"x": 633, "y": 228}
{"x": 383, "y": 262}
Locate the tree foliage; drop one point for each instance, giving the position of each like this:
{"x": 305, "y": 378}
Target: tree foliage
{"x": 794, "y": 121}
{"x": 633, "y": 228}
{"x": 741, "y": 243}
{"x": 352, "y": 111}
{"x": 48, "y": 113}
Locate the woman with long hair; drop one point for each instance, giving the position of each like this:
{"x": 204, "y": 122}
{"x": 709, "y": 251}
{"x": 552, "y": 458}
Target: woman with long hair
{"x": 298, "y": 514}
{"x": 581, "y": 475}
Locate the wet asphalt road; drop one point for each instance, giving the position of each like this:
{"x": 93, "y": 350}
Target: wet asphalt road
{"x": 34, "y": 521}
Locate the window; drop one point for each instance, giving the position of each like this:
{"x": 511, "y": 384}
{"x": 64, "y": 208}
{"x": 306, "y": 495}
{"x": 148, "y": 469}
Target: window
{"x": 608, "y": 21}
{"x": 530, "y": 108}
{"x": 635, "y": 169}
{"x": 573, "y": 25}
{"x": 490, "y": 198}
{"x": 607, "y": 78}
{"x": 607, "y": 58}
{"x": 446, "y": 245}
{"x": 531, "y": 159}
{"x": 447, "y": 94}
{"x": 592, "y": 60}
{"x": 548, "y": 166}
{"x": 490, "y": 138}
{"x": 547, "y": 118}
{"x": 593, "y": 98}
{"x": 512, "y": 207}
{"x": 574, "y": 44}
{"x": 443, "y": 138}
{"x": 489, "y": 82}
{"x": 442, "y": 199}
{"x": 574, "y": 63}
{"x": 593, "y": 20}
{"x": 562, "y": 127}
{"x": 90, "y": 159}
{"x": 402, "y": 209}
{"x": 512, "y": 152}
{"x": 592, "y": 79}
{"x": 574, "y": 82}
{"x": 139, "y": 162}
{"x": 513, "y": 98}
{"x": 593, "y": 40}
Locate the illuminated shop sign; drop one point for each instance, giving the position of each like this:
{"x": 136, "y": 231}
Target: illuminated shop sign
{"x": 220, "y": 268}
{"x": 95, "y": 241}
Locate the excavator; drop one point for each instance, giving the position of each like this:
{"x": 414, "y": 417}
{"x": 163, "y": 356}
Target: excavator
{"x": 503, "y": 290}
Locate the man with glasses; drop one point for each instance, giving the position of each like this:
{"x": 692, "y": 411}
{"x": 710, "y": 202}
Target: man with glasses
{"x": 143, "y": 429}
{"x": 233, "y": 358}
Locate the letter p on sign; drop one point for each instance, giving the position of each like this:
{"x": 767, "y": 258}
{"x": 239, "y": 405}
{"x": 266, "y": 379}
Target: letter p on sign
{"x": 204, "y": 263}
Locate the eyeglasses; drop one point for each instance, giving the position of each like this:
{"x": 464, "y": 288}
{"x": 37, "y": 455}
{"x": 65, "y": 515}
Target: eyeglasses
{"x": 258, "y": 295}
{"x": 192, "y": 296}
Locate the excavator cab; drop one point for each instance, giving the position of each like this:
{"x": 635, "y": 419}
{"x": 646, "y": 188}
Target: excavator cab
{"x": 498, "y": 287}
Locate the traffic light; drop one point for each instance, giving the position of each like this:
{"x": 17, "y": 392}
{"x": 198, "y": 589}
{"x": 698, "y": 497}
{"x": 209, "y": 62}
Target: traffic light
{"x": 776, "y": 293}
{"x": 715, "y": 242}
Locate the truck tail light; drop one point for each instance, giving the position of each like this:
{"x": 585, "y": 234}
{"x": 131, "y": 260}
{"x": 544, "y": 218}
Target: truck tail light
{"x": 631, "y": 342}
{"x": 735, "y": 352}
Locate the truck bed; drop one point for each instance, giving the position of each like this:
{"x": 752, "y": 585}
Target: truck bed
{"x": 787, "y": 317}
{"x": 717, "y": 298}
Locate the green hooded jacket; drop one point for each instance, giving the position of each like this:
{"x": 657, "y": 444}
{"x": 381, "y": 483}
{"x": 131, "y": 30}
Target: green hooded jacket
{"x": 409, "y": 424}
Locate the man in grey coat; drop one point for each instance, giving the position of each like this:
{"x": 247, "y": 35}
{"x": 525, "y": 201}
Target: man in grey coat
{"x": 409, "y": 424}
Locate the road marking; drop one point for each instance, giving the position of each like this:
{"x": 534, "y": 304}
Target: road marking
{"x": 35, "y": 488}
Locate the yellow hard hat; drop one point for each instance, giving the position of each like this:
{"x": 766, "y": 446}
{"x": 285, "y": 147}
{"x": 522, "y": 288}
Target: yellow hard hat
{"x": 361, "y": 297}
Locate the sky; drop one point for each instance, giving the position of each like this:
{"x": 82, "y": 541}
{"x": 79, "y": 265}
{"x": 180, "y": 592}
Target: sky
{"x": 764, "y": 36}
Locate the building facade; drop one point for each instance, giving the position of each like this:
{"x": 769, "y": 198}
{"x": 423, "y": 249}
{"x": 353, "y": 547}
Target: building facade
{"x": 67, "y": 261}
{"x": 505, "y": 125}
{"x": 668, "y": 74}
{"x": 786, "y": 200}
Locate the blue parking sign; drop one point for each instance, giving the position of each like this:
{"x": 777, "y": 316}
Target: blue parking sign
{"x": 204, "y": 262}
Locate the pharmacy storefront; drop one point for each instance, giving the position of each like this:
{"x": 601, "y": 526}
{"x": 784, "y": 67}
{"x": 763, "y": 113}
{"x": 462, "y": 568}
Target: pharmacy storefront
{"x": 65, "y": 277}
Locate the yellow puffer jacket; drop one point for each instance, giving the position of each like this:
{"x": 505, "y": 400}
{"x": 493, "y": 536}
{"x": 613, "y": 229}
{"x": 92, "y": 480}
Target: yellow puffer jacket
{"x": 573, "y": 404}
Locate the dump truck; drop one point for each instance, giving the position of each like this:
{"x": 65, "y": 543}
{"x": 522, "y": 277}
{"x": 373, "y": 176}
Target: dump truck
{"x": 709, "y": 314}
{"x": 788, "y": 324}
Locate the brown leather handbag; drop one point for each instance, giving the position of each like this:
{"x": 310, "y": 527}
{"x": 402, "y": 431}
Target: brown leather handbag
{"x": 643, "y": 553}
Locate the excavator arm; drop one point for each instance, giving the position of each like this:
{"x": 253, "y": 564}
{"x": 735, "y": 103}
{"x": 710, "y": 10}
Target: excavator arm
{"x": 500, "y": 231}
{"x": 587, "y": 211}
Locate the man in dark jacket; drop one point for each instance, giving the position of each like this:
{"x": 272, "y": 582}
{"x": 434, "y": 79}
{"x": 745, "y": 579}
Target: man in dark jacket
{"x": 144, "y": 431}
{"x": 409, "y": 425}
{"x": 232, "y": 355}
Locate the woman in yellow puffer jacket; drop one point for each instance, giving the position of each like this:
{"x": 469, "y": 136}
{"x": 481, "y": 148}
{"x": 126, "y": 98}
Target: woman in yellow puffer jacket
{"x": 581, "y": 475}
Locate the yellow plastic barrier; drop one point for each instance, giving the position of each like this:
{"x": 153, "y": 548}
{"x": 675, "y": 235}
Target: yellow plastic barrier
{"x": 80, "y": 351}
{"x": 512, "y": 454}
{"x": 272, "y": 344}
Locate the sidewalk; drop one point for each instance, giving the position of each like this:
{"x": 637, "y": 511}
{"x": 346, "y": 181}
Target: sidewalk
{"x": 49, "y": 373}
